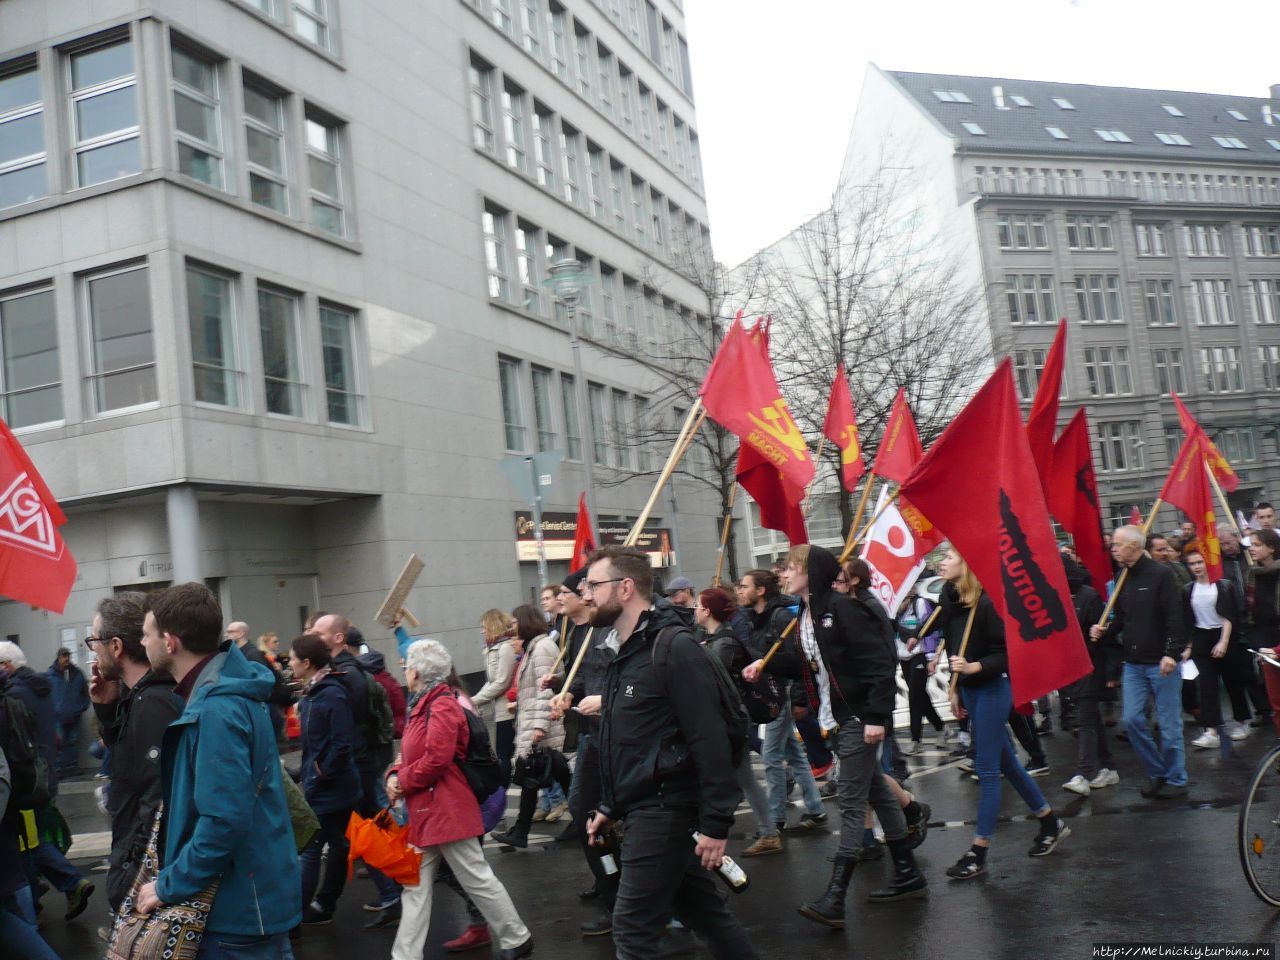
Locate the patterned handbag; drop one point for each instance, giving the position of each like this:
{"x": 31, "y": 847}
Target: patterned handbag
{"x": 172, "y": 932}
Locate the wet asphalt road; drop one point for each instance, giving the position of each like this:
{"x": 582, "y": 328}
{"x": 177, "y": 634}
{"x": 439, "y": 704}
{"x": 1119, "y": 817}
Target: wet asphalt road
{"x": 1132, "y": 870}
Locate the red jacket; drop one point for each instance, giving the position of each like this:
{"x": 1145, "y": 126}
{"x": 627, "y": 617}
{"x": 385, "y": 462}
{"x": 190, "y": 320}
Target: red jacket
{"x": 442, "y": 807}
{"x": 395, "y": 696}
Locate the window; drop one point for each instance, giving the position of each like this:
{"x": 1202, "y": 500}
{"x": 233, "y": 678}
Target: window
{"x": 572, "y": 427}
{"x": 1173, "y": 139}
{"x": 626, "y": 97}
{"x": 527, "y": 267}
{"x": 584, "y": 57}
{"x": 1169, "y": 375}
{"x": 609, "y": 302}
{"x": 1030, "y": 298}
{"x": 1262, "y": 239}
{"x": 22, "y": 153}
{"x": 1173, "y": 437}
{"x": 1057, "y": 133}
{"x": 570, "y": 152}
{"x": 557, "y": 46}
{"x": 311, "y": 21}
{"x": 104, "y": 113}
{"x": 543, "y": 417}
{"x": 599, "y": 434}
{"x": 595, "y": 180}
{"x": 196, "y": 120}
{"x": 543, "y": 158}
{"x": 513, "y": 127}
{"x": 1028, "y": 366}
{"x": 1120, "y": 446}
{"x": 1203, "y": 240}
{"x": 1089, "y": 233}
{"x": 686, "y": 71}
{"x": 1022, "y": 231}
{"x": 1222, "y": 370}
{"x": 639, "y": 222}
{"x": 530, "y": 37}
{"x": 1211, "y": 302}
{"x": 1238, "y": 444}
{"x": 495, "y": 253}
{"x": 325, "y": 171}
{"x": 264, "y": 147}
{"x": 1150, "y": 239}
{"x": 500, "y": 14}
{"x": 338, "y": 349}
{"x": 617, "y": 196}
{"x": 1275, "y": 144}
{"x": 630, "y": 308}
{"x": 1113, "y": 136}
{"x": 211, "y": 320}
{"x": 1230, "y": 143}
{"x": 952, "y": 96}
{"x": 1160, "y": 301}
{"x": 482, "y": 105}
{"x": 120, "y": 332}
{"x": 1107, "y": 370}
{"x": 620, "y": 429}
{"x": 651, "y": 21}
{"x": 1062, "y": 103}
{"x": 1269, "y": 360}
{"x": 644, "y": 460}
{"x": 512, "y": 409}
{"x": 1266, "y": 300}
{"x": 281, "y": 351}
{"x": 973, "y": 128}
{"x": 1098, "y": 298}
{"x": 657, "y": 220}
{"x": 604, "y": 76}
{"x": 664, "y": 133}
{"x": 1236, "y": 114}
{"x": 1172, "y": 111}
{"x": 1020, "y": 101}
{"x": 645, "y": 99}
{"x": 32, "y": 383}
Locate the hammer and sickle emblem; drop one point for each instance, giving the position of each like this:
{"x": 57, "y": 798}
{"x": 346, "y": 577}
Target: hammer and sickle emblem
{"x": 781, "y": 427}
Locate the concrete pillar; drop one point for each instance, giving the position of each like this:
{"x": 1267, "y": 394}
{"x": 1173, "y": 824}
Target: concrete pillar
{"x": 182, "y": 511}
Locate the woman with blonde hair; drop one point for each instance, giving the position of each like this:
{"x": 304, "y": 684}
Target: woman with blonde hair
{"x": 974, "y": 635}
{"x": 490, "y": 701}
{"x": 269, "y": 644}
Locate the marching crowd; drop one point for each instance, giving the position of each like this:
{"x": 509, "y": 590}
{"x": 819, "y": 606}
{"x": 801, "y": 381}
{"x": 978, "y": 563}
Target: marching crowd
{"x": 627, "y": 711}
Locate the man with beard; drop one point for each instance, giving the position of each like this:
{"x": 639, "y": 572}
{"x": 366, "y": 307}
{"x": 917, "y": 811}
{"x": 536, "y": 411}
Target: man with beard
{"x": 134, "y": 706}
{"x": 665, "y": 765}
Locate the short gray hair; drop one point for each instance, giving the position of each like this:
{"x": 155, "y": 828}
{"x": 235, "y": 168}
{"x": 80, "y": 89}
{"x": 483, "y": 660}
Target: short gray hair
{"x": 122, "y": 616}
{"x": 1130, "y": 533}
{"x": 10, "y": 652}
{"x": 429, "y": 660}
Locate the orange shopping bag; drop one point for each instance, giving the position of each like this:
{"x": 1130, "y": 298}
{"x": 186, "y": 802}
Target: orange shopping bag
{"x": 384, "y": 845}
{"x": 292, "y": 725}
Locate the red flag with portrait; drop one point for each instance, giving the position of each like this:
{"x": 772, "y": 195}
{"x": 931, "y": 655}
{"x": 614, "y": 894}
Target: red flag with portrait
{"x": 841, "y": 428}
{"x": 1187, "y": 488}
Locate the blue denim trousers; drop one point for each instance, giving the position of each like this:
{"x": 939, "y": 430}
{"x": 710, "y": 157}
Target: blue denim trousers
{"x": 233, "y": 946}
{"x": 1142, "y": 684}
{"x": 781, "y": 748}
{"x": 988, "y": 706}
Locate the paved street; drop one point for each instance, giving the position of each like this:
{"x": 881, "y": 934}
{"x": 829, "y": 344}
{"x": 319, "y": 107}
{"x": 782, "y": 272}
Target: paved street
{"x": 1132, "y": 870}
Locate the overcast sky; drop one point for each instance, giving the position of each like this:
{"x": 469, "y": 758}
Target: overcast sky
{"x": 776, "y": 84}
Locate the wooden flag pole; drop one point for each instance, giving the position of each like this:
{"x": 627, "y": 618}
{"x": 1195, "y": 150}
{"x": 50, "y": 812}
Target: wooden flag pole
{"x": 778, "y": 643}
{"x": 724, "y": 535}
{"x": 577, "y": 661}
{"x": 1226, "y": 508}
{"x": 1124, "y": 574}
{"x": 691, "y": 426}
{"x": 862, "y": 502}
{"x": 808, "y": 493}
{"x": 862, "y": 534}
{"x": 924, "y": 631}
{"x": 964, "y": 644}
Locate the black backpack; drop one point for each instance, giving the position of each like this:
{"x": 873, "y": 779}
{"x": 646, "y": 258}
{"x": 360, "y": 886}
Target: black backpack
{"x": 379, "y": 726}
{"x": 733, "y": 713}
{"x": 28, "y": 769}
{"x": 480, "y": 765}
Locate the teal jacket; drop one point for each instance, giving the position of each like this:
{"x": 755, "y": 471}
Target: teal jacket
{"x": 225, "y": 810}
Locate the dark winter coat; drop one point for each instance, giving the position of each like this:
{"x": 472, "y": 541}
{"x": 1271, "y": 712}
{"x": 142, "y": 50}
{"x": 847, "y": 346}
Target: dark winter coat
{"x": 1229, "y": 606}
{"x": 986, "y": 640}
{"x": 589, "y": 681}
{"x": 70, "y": 693}
{"x": 1148, "y": 614}
{"x": 376, "y": 664}
{"x": 329, "y": 778}
{"x": 281, "y": 696}
{"x": 1104, "y": 653}
{"x": 36, "y": 691}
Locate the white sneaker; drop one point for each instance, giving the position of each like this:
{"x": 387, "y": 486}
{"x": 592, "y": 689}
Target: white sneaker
{"x": 1207, "y": 740}
{"x": 1077, "y": 784}
{"x": 1105, "y": 778}
{"x": 1239, "y": 731}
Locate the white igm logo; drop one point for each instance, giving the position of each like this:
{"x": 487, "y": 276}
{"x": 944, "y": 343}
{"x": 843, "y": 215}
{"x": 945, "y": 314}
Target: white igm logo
{"x": 24, "y": 520}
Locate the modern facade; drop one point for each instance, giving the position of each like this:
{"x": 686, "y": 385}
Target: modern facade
{"x": 274, "y": 299}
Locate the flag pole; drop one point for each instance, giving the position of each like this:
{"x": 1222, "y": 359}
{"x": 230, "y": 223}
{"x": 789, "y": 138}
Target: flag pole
{"x": 964, "y": 644}
{"x": 1226, "y": 508}
{"x": 862, "y": 502}
{"x": 687, "y": 432}
{"x": 808, "y": 491}
{"x": 724, "y": 534}
{"x": 778, "y": 643}
{"x": 1124, "y": 574}
{"x": 577, "y": 661}
{"x": 852, "y": 544}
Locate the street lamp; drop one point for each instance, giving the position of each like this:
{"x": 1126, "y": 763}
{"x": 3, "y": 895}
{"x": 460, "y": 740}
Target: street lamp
{"x": 567, "y": 281}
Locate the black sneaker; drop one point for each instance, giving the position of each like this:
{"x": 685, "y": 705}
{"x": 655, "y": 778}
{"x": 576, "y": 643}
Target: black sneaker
{"x": 78, "y": 898}
{"x": 966, "y": 868}
{"x": 1169, "y": 791}
{"x": 1046, "y": 843}
{"x": 313, "y": 917}
{"x": 918, "y": 825}
{"x": 1153, "y": 787}
{"x": 871, "y": 851}
{"x": 377, "y": 906}
{"x": 813, "y": 821}
{"x": 598, "y": 928}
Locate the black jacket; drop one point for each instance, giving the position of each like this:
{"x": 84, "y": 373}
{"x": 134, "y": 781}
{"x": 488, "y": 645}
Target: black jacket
{"x": 1104, "y": 653}
{"x": 1229, "y": 606}
{"x": 133, "y": 727}
{"x": 329, "y": 777}
{"x": 662, "y": 739}
{"x": 591, "y": 675}
{"x": 855, "y": 640}
{"x": 280, "y": 694}
{"x": 986, "y": 640}
{"x": 1236, "y": 569}
{"x": 725, "y": 646}
{"x": 1148, "y": 614}
{"x": 35, "y": 690}
{"x": 355, "y": 681}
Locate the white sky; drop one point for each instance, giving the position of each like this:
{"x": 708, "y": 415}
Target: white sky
{"x": 777, "y": 84}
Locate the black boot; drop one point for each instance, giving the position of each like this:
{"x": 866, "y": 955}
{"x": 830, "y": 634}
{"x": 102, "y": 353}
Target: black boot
{"x": 907, "y": 880}
{"x": 829, "y": 908}
{"x": 517, "y": 836}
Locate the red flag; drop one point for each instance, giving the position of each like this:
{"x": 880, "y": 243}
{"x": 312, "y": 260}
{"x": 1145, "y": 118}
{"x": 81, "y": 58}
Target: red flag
{"x": 742, "y": 395}
{"x": 900, "y": 448}
{"x": 1135, "y": 516}
{"x": 35, "y": 565}
{"x": 895, "y": 549}
{"x": 1187, "y": 488}
{"x": 1042, "y": 420}
{"x": 1226, "y": 476}
{"x": 584, "y": 536}
{"x": 779, "y": 500}
{"x": 841, "y": 428}
{"x": 979, "y": 484}
{"x": 1072, "y": 492}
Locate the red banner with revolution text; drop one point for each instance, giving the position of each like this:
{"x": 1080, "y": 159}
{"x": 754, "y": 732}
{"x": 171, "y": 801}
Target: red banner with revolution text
{"x": 980, "y": 485}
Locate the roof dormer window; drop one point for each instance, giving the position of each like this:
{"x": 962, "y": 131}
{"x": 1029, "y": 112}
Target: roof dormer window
{"x": 1062, "y": 103}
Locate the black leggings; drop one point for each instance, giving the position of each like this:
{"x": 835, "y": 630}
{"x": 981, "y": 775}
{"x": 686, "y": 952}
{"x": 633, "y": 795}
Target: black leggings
{"x": 916, "y": 672}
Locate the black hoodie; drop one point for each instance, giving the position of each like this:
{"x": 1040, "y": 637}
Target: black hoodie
{"x": 855, "y": 641}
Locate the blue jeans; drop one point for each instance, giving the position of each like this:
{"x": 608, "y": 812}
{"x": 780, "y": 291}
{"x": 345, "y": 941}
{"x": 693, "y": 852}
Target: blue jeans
{"x": 22, "y": 941}
{"x": 780, "y": 748}
{"x": 1142, "y": 684}
{"x": 332, "y": 833}
{"x": 550, "y": 797}
{"x": 234, "y": 946}
{"x": 69, "y": 750}
{"x": 988, "y": 707}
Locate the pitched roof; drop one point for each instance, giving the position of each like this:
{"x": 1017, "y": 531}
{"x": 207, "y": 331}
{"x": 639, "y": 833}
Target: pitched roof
{"x": 1134, "y": 113}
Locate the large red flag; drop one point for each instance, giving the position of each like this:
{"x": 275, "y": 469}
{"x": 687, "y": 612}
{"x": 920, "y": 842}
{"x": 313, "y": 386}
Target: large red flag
{"x": 900, "y": 448}
{"x": 841, "y": 428}
{"x": 778, "y": 499}
{"x": 979, "y": 484}
{"x": 1042, "y": 420}
{"x": 742, "y": 395}
{"x": 1187, "y": 488}
{"x": 584, "y": 536}
{"x": 1226, "y": 476}
{"x": 1072, "y": 492}
{"x": 35, "y": 565}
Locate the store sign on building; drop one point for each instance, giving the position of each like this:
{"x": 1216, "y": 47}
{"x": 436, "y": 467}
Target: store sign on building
{"x": 559, "y": 529}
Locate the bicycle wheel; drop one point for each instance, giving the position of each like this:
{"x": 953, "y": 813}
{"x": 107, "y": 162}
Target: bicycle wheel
{"x": 1259, "y": 830}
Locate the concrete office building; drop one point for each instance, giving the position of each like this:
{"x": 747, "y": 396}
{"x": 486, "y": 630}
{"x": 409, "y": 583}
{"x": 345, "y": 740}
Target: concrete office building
{"x": 273, "y": 298}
